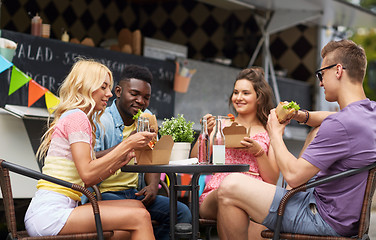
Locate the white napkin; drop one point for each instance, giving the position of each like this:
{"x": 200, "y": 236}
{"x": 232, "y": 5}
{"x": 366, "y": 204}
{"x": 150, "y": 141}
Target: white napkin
{"x": 189, "y": 161}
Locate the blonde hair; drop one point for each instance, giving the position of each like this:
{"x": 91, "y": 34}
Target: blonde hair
{"x": 76, "y": 91}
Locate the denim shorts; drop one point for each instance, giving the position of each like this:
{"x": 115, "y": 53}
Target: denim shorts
{"x": 300, "y": 216}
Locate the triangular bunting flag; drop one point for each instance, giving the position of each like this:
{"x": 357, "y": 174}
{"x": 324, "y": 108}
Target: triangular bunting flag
{"x": 36, "y": 91}
{"x": 17, "y": 80}
{"x": 4, "y": 64}
{"x": 51, "y": 101}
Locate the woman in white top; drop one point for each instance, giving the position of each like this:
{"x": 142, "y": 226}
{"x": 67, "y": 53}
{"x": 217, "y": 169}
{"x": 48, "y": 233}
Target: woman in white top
{"x": 68, "y": 150}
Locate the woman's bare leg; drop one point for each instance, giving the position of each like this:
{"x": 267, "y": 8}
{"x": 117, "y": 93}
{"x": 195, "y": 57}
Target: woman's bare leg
{"x": 209, "y": 207}
{"x": 118, "y": 215}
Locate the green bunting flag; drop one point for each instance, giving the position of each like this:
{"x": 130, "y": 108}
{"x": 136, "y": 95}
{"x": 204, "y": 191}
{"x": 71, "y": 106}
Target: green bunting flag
{"x": 17, "y": 80}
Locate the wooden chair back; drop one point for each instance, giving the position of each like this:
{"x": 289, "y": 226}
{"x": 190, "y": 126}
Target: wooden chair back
{"x": 10, "y": 215}
{"x": 367, "y": 204}
{"x": 364, "y": 220}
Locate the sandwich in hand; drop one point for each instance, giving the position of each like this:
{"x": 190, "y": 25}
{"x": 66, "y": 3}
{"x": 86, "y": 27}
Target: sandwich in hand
{"x": 286, "y": 111}
{"x": 152, "y": 119}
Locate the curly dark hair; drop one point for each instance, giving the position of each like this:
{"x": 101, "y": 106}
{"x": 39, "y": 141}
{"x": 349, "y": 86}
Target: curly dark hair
{"x": 137, "y": 72}
{"x": 263, "y": 90}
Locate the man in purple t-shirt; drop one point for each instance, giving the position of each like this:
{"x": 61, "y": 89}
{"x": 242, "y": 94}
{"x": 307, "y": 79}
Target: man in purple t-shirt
{"x": 343, "y": 143}
{"x": 340, "y": 141}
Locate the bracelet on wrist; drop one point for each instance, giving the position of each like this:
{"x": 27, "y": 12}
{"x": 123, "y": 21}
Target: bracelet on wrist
{"x": 306, "y": 117}
{"x": 259, "y": 153}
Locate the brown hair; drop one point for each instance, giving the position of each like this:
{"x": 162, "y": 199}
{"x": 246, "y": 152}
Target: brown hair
{"x": 263, "y": 91}
{"x": 350, "y": 55}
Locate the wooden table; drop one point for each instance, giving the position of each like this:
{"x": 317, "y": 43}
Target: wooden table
{"x": 196, "y": 171}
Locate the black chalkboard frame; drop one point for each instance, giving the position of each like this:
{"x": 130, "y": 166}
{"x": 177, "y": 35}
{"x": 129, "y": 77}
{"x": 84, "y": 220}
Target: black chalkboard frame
{"x": 48, "y": 61}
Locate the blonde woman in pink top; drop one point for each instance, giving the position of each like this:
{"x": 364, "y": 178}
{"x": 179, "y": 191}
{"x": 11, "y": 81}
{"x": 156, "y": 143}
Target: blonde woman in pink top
{"x": 67, "y": 147}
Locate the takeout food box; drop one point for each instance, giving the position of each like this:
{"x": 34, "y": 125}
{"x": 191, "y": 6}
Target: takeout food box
{"x": 159, "y": 155}
{"x": 234, "y": 134}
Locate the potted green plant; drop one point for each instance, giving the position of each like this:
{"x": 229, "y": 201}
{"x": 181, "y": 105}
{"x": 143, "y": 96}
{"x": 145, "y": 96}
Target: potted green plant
{"x": 182, "y": 133}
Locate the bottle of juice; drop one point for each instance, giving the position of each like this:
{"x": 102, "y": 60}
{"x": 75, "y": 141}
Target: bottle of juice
{"x": 203, "y": 143}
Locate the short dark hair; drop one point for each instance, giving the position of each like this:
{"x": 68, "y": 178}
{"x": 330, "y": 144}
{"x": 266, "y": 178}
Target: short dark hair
{"x": 137, "y": 72}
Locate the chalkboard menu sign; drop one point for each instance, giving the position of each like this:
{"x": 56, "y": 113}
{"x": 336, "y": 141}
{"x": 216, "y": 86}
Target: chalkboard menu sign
{"x": 49, "y": 61}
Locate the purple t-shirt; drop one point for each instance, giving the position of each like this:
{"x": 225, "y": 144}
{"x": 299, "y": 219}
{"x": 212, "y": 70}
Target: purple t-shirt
{"x": 345, "y": 140}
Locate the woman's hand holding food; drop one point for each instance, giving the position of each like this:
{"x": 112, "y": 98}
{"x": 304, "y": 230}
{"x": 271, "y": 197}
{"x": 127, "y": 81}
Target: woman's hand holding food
{"x": 128, "y": 157}
{"x": 253, "y": 146}
{"x": 140, "y": 139}
{"x": 210, "y": 121}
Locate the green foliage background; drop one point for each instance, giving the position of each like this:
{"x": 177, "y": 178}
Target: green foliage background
{"x": 369, "y": 4}
{"x": 368, "y": 42}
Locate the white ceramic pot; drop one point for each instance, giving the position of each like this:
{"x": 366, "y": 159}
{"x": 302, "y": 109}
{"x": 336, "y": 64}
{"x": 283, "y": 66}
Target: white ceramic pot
{"x": 180, "y": 151}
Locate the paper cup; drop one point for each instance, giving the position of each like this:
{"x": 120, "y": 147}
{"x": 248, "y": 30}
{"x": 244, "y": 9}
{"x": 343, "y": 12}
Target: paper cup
{"x": 7, "y": 48}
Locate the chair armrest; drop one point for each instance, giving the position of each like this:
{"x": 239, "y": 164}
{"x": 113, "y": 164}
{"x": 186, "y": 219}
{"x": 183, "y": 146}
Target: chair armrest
{"x": 165, "y": 187}
{"x": 37, "y": 175}
{"x": 97, "y": 192}
{"x": 305, "y": 186}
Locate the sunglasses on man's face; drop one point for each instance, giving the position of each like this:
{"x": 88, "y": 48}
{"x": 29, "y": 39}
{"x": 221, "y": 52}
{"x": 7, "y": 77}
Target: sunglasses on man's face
{"x": 319, "y": 73}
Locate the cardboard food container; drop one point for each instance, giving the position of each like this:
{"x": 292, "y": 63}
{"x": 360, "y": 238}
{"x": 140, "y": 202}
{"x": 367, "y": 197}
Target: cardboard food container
{"x": 159, "y": 155}
{"x": 234, "y": 134}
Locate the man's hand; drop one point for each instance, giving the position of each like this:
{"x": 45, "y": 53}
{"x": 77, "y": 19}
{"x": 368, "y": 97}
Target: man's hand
{"x": 150, "y": 192}
{"x": 275, "y": 129}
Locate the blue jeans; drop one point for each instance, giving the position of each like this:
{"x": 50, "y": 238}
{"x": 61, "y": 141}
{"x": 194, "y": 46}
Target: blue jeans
{"x": 159, "y": 210}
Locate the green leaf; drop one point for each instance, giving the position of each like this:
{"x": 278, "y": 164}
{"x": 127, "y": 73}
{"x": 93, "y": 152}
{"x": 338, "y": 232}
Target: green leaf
{"x": 139, "y": 112}
{"x": 293, "y": 105}
{"x": 178, "y": 128}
